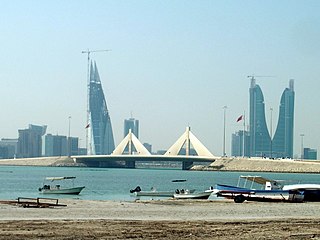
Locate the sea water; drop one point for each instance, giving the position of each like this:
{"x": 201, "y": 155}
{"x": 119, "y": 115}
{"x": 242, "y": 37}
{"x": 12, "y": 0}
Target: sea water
{"x": 115, "y": 184}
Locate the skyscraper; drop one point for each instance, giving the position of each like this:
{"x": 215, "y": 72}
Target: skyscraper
{"x": 100, "y": 135}
{"x": 55, "y": 145}
{"x": 30, "y": 141}
{"x": 238, "y": 147}
{"x": 260, "y": 141}
{"x": 282, "y": 143}
{"x": 132, "y": 124}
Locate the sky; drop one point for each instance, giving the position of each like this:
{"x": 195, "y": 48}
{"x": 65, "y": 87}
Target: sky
{"x": 172, "y": 64}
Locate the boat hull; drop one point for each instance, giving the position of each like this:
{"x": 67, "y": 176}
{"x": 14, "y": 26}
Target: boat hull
{"x": 74, "y": 191}
{"x": 202, "y": 195}
{"x": 153, "y": 194}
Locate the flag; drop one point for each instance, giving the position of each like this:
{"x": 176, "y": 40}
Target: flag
{"x": 239, "y": 118}
{"x": 88, "y": 125}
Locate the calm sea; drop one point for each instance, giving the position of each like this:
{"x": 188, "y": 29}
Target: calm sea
{"x": 115, "y": 184}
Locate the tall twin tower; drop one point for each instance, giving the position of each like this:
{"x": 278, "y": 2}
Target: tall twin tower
{"x": 261, "y": 143}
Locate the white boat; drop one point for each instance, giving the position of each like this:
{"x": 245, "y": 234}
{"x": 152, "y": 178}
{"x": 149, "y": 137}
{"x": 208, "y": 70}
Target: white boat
{"x": 185, "y": 194}
{"x": 310, "y": 191}
{"x": 153, "y": 192}
{"x": 50, "y": 186}
{"x": 269, "y": 190}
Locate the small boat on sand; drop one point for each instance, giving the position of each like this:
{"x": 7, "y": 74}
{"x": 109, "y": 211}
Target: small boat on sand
{"x": 185, "y": 194}
{"x": 50, "y": 186}
{"x": 154, "y": 192}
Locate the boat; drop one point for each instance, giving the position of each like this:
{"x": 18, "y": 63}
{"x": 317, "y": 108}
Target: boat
{"x": 269, "y": 191}
{"x": 311, "y": 192}
{"x": 153, "y": 192}
{"x": 186, "y": 194}
{"x": 50, "y": 186}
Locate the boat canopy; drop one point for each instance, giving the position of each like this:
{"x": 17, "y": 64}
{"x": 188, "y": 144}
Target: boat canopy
{"x": 59, "y": 178}
{"x": 257, "y": 179}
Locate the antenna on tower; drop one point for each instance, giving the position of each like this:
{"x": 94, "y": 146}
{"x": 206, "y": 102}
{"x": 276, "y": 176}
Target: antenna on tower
{"x": 88, "y": 124}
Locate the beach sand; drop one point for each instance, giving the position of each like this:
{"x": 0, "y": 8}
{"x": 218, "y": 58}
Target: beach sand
{"x": 165, "y": 219}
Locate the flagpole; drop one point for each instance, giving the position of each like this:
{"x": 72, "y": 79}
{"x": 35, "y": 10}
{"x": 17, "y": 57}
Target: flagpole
{"x": 224, "y": 131}
{"x": 244, "y": 129}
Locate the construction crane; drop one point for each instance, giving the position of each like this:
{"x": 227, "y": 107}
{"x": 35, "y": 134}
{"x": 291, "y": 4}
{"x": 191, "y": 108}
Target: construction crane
{"x": 252, "y": 77}
{"x": 88, "y": 92}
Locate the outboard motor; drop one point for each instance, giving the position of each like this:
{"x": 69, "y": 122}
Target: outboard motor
{"x": 137, "y": 189}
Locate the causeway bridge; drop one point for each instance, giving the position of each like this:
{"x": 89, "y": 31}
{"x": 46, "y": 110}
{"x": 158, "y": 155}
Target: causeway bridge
{"x": 129, "y": 161}
{"x": 131, "y": 150}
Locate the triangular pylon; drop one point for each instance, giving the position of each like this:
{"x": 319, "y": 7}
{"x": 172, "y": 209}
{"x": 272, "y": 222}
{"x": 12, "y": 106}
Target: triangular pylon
{"x": 131, "y": 140}
{"x": 188, "y": 138}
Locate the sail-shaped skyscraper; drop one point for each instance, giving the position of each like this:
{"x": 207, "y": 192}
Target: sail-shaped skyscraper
{"x": 100, "y": 134}
{"x": 281, "y": 145}
{"x": 260, "y": 140}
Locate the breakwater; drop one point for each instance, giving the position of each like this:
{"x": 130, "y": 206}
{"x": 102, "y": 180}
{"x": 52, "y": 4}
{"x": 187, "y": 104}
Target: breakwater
{"x": 261, "y": 165}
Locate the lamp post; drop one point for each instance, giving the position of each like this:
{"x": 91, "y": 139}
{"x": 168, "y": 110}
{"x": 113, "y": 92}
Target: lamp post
{"x": 224, "y": 130}
{"x": 271, "y": 109}
{"x": 69, "y": 142}
{"x": 302, "y": 155}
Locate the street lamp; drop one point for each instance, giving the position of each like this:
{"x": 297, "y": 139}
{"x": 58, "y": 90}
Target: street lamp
{"x": 69, "y": 142}
{"x": 302, "y": 155}
{"x": 271, "y": 109}
{"x": 224, "y": 130}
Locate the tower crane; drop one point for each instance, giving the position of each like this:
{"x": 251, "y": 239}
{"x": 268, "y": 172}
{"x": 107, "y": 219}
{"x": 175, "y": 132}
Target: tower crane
{"x": 252, "y": 77}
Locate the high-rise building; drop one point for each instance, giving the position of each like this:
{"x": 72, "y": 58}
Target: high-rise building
{"x": 55, "y": 145}
{"x": 100, "y": 135}
{"x": 260, "y": 141}
{"x": 73, "y": 144}
{"x": 8, "y": 148}
{"x": 30, "y": 141}
{"x": 148, "y": 146}
{"x": 240, "y": 145}
{"x": 282, "y": 143}
{"x": 309, "y": 153}
{"x": 132, "y": 124}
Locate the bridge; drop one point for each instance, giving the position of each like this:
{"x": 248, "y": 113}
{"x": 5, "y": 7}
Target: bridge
{"x": 131, "y": 150}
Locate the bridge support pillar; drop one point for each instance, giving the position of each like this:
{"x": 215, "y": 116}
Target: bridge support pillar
{"x": 186, "y": 165}
{"x": 130, "y": 164}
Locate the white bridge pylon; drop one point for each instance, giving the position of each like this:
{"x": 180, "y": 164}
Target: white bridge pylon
{"x": 187, "y": 139}
{"x": 131, "y": 140}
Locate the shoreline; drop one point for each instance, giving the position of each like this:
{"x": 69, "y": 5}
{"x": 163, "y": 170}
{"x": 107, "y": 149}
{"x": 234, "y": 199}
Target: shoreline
{"x": 219, "y": 164}
{"x": 162, "y": 219}
{"x": 163, "y": 210}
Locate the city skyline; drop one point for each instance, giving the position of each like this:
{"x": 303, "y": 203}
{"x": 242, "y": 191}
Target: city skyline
{"x": 172, "y": 64}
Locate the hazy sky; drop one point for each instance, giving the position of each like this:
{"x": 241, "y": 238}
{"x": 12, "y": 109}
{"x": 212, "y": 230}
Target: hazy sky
{"x": 172, "y": 64}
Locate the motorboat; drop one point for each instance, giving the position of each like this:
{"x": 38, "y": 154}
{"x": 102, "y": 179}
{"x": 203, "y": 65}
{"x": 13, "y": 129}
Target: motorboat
{"x": 51, "y": 186}
{"x": 152, "y": 193}
{"x": 269, "y": 191}
{"x": 310, "y": 191}
{"x": 186, "y": 194}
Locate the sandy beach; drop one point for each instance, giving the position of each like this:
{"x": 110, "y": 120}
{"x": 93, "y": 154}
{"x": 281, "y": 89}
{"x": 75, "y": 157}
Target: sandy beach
{"x": 165, "y": 219}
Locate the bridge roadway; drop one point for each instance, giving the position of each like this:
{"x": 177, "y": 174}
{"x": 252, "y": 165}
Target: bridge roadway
{"x": 128, "y": 161}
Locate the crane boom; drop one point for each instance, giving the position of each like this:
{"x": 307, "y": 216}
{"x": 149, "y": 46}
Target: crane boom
{"x": 254, "y": 76}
